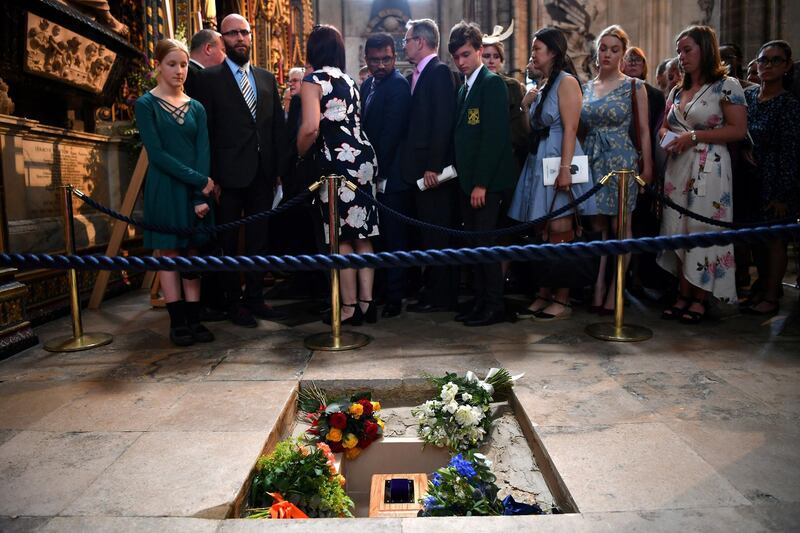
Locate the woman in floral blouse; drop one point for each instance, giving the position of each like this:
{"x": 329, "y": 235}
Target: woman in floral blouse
{"x": 331, "y": 108}
{"x": 706, "y": 112}
{"x": 773, "y": 119}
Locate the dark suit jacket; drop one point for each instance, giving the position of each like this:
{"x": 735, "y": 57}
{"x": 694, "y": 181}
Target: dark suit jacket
{"x": 240, "y": 146}
{"x": 190, "y": 84}
{"x": 483, "y": 135}
{"x": 385, "y": 123}
{"x": 428, "y": 142}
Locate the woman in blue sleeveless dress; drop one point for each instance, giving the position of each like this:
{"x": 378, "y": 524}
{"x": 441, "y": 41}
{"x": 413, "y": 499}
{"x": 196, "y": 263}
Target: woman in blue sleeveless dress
{"x": 554, "y": 117}
{"x": 607, "y": 114}
{"x": 331, "y": 109}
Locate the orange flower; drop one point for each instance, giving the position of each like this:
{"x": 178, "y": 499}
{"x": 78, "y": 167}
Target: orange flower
{"x": 283, "y": 509}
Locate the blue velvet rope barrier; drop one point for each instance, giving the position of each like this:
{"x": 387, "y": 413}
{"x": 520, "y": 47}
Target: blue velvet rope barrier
{"x": 294, "y": 202}
{"x": 397, "y": 259}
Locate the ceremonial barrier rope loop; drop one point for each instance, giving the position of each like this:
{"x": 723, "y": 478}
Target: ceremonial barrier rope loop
{"x": 665, "y": 200}
{"x": 294, "y": 202}
{"x": 397, "y": 259}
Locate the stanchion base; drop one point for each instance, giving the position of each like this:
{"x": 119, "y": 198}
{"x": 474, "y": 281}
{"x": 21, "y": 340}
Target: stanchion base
{"x": 607, "y": 331}
{"x": 87, "y": 341}
{"x": 348, "y": 340}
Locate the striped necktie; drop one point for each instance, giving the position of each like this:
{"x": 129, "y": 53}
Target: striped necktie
{"x": 247, "y": 91}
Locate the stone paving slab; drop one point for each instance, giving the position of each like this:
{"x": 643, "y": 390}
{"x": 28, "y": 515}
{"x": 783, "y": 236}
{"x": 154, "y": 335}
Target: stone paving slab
{"x": 43, "y": 472}
{"x": 634, "y": 467}
{"x": 174, "y": 473}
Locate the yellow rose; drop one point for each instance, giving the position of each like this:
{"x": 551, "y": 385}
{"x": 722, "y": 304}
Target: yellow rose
{"x": 352, "y": 453}
{"x": 379, "y": 421}
{"x": 376, "y": 406}
{"x": 334, "y": 435}
{"x": 349, "y": 441}
{"x": 356, "y": 410}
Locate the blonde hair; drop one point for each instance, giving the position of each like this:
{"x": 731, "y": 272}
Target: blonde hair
{"x": 615, "y": 30}
{"x": 165, "y": 46}
{"x": 501, "y": 50}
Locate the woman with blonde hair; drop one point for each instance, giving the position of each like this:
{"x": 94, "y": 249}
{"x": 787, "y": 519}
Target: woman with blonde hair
{"x": 173, "y": 130}
{"x": 608, "y": 112}
{"x": 706, "y": 112}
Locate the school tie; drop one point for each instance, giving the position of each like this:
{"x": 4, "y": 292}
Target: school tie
{"x": 247, "y": 91}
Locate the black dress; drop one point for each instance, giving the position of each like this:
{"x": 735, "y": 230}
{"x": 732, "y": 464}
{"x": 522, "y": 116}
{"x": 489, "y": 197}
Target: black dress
{"x": 347, "y": 153}
{"x": 774, "y": 126}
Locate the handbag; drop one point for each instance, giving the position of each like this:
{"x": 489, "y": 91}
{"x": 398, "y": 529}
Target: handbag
{"x": 637, "y": 144}
{"x": 572, "y": 272}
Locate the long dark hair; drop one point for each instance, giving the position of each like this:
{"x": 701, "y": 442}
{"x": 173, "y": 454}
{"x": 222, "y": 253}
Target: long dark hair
{"x": 788, "y": 77}
{"x": 556, "y": 42}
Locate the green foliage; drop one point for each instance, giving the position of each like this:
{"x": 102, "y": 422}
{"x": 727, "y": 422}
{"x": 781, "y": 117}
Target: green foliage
{"x": 301, "y": 475}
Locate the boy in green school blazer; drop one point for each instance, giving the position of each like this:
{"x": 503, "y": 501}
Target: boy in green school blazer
{"x": 484, "y": 161}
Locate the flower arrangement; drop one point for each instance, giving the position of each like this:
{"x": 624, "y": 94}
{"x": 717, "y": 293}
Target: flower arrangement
{"x": 298, "y": 481}
{"x": 465, "y": 487}
{"x": 346, "y": 425}
{"x": 459, "y": 418}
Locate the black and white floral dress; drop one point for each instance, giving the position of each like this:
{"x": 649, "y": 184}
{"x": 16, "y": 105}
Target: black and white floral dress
{"x": 347, "y": 152}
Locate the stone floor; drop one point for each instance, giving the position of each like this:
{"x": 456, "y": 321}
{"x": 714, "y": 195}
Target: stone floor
{"x": 694, "y": 430}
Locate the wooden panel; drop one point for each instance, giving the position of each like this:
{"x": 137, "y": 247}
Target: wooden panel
{"x": 378, "y": 508}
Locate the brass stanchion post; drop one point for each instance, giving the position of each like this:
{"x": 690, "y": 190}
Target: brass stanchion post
{"x": 618, "y": 331}
{"x": 79, "y": 340}
{"x": 336, "y": 340}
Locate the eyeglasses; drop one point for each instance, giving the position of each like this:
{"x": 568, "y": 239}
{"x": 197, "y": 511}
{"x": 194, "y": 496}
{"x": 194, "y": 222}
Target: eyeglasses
{"x": 235, "y": 33}
{"x": 406, "y": 41}
{"x": 773, "y": 61}
{"x": 386, "y": 60}
{"x": 634, "y": 60}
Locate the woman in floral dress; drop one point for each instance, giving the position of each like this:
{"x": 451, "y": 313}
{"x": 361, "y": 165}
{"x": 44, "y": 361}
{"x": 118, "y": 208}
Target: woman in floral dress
{"x": 331, "y": 108}
{"x": 706, "y": 112}
{"x": 608, "y": 113}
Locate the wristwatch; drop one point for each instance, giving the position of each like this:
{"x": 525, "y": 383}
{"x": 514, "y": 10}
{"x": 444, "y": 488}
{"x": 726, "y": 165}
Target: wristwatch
{"x": 693, "y": 136}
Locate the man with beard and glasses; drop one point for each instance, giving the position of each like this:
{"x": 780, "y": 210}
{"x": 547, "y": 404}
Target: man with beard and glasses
{"x": 248, "y": 149}
{"x": 385, "y": 102}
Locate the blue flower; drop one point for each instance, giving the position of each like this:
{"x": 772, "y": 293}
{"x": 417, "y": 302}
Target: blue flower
{"x": 462, "y": 466}
{"x": 436, "y": 480}
{"x": 428, "y": 501}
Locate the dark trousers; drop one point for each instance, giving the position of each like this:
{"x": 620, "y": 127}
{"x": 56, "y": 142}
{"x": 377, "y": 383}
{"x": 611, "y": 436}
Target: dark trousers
{"x": 439, "y": 206}
{"x": 233, "y": 205}
{"x": 488, "y": 277}
{"x": 394, "y": 237}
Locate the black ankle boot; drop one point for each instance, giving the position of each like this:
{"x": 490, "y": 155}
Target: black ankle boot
{"x": 179, "y": 333}
{"x": 200, "y": 333}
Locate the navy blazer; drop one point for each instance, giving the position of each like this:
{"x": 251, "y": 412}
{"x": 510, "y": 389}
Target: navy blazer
{"x": 429, "y": 138}
{"x": 385, "y": 122}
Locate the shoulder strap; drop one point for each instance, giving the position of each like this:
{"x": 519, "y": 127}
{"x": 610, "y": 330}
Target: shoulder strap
{"x": 577, "y": 221}
{"x": 634, "y": 103}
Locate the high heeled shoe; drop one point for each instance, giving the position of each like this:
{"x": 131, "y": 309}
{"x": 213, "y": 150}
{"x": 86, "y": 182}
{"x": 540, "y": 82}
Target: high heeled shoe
{"x": 371, "y": 314}
{"x": 355, "y": 320}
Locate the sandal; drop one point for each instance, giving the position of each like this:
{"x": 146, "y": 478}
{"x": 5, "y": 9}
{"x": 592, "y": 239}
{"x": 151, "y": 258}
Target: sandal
{"x": 541, "y": 316}
{"x": 531, "y": 310}
{"x": 751, "y": 309}
{"x": 674, "y": 312}
{"x": 693, "y": 317}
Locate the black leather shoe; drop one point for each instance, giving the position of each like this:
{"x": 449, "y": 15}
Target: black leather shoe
{"x": 266, "y": 312}
{"x": 181, "y": 336}
{"x": 422, "y": 307}
{"x": 241, "y": 316}
{"x": 471, "y": 314}
{"x": 209, "y": 314}
{"x": 486, "y": 319}
{"x": 392, "y": 309}
{"x": 201, "y": 333}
